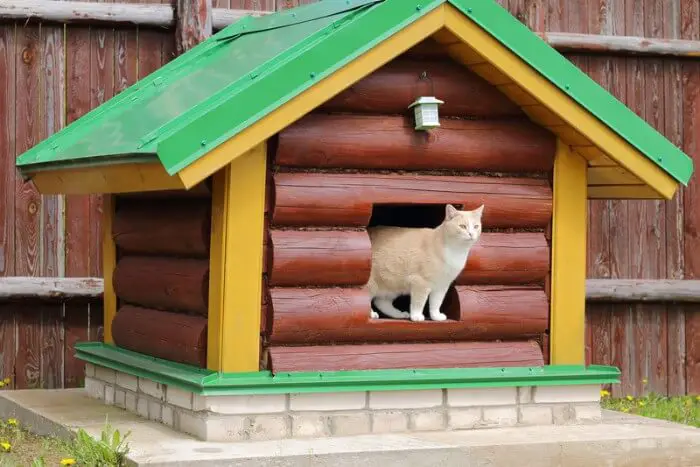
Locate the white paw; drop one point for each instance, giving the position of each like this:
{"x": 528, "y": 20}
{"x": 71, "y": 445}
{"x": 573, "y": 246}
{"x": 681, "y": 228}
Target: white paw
{"x": 373, "y": 314}
{"x": 404, "y": 314}
{"x": 438, "y": 317}
{"x": 419, "y": 317}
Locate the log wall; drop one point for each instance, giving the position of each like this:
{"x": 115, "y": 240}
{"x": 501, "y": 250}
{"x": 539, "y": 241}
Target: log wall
{"x": 162, "y": 274}
{"x": 357, "y": 162}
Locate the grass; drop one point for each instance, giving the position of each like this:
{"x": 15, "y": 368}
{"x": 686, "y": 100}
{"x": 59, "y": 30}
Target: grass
{"x": 680, "y": 409}
{"x": 18, "y": 447}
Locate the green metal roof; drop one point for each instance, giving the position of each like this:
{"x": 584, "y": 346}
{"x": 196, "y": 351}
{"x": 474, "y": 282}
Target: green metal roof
{"x": 247, "y": 70}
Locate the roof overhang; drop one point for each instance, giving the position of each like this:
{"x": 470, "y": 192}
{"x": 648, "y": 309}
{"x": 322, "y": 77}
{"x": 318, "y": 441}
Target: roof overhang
{"x": 480, "y": 37}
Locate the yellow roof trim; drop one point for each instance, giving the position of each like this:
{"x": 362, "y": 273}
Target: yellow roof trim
{"x": 559, "y": 103}
{"x": 288, "y": 113}
{"x": 120, "y": 178}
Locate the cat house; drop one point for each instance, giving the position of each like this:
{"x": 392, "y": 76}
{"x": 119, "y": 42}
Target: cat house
{"x": 239, "y": 182}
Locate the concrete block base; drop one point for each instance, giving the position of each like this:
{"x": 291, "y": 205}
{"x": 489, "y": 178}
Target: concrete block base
{"x": 310, "y": 415}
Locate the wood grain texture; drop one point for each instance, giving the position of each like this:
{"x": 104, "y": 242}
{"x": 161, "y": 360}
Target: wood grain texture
{"x": 163, "y": 283}
{"x": 318, "y": 316}
{"x": 395, "y": 356}
{"x": 29, "y": 348}
{"x": 7, "y": 149}
{"x": 77, "y": 321}
{"x": 319, "y": 258}
{"x": 52, "y": 340}
{"x": 171, "y": 336}
{"x": 78, "y": 218}
{"x": 393, "y": 87}
{"x": 29, "y": 131}
{"x": 314, "y": 199}
{"x": 390, "y": 142}
{"x": 8, "y": 341}
{"x": 163, "y": 228}
{"x": 193, "y": 23}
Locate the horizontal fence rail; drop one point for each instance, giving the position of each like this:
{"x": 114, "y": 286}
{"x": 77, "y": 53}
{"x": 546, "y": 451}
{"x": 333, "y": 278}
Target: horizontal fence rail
{"x": 163, "y": 16}
{"x": 597, "y": 290}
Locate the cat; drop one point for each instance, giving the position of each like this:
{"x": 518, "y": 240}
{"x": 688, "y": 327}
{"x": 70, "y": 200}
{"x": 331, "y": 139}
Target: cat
{"x": 420, "y": 262}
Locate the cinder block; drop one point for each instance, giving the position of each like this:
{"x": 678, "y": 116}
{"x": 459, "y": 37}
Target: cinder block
{"x": 151, "y": 388}
{"x": 127, "y": 381}
{"x": 167, "y": 415}
{"x": 535, "y": 414}
{"x": 142, "y": 406}
{"x": 588, "y": 412}
{"x": 131, "y": 401}
{"x": 109, "y": 394}
{"x": 192, "y": 424}
{"x": 480, "y": 397}
{"x": 249, "y": 404}
{"x": 268, "y": 427}
{"x": 428, "y": 420}
{"x": 328, "y": 401}
{"x": 463, "y": 419}
{"x": 524, "y": 394}
{"x": 562, "y": 414}
{"x": 120, "y": 398}
{"x": 348, "y": 424}
{"x": 89, "y": 370}
{"x": 179, "y": 397}
{"x": 105, "y": 374}
{"x": 227, "y": 428}
{"x": 500, "y": 416}
{"x": 422, "y": 399}
{"x": 389, "y": 421}
{"x": 95, "y": 388}
{"x": 154, "y": 410}
{"x": 308, "y": 425}
{"x": 566, "y": 394}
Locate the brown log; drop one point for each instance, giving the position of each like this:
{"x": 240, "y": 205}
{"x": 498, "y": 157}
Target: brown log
{"x": 383, "y": 142}
{"x": 411, "y": 356}
{"x": 171, "y": 336}
{"x": 393, "y": 87}
{"x": 507, "y": 258}
{"x": 163, "y": 228}
{"x": 322, "y": 199}
{"x": 324, "y": 316}
{"x": 336, "y": 257}
{"x": 319, "y": 258}
{"x": 171, "y": 284}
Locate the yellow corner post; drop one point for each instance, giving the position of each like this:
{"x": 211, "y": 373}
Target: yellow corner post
{"x": 109, "y": 262}
{"x": 568, "y": 291}
{"x": 236, "y": 264}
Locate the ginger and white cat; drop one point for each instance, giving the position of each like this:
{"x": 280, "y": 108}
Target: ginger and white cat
{"x": 420, "y": 262}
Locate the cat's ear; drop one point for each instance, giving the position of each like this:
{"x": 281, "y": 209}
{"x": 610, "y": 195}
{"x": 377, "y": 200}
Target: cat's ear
{"x": 450, "y": 212}
{"x": 478, "y": 211}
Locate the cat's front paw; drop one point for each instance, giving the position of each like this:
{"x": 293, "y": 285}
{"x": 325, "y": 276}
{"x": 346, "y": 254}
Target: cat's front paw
{"x": 418, "y": 317}
{"x": 438, "y": 317}
{"x": 373, "y": 314}
{"x": 404, "y": 315}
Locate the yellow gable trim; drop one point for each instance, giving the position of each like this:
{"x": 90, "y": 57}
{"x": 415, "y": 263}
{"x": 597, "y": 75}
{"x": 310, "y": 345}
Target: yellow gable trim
{"x": 559, "y": 103}
{"x": 121, "y": 178}
{"x": 288, "y": 113}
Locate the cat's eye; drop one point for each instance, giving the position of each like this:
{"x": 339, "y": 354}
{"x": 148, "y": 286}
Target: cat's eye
{"x": 462, "y": 226}
{"x": 477, "y": 226}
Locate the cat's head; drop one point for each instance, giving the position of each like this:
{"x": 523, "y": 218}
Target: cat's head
{"x": 463, "y": 225}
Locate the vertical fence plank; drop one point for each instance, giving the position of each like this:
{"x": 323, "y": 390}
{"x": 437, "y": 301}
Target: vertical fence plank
{"x": 76, "y": 329}
{"x": 8, "y": 342}
{"x": 7, "y": 149}
{"x": 673, "y": 130}
{"x": 28, "y": 132}
{"x": 78, "y": 65}
{"x": 257, "y": 5}
{"x": 51, "y": 354}
{"x": 29, "y": 345}
{"x": 690, "y": 29}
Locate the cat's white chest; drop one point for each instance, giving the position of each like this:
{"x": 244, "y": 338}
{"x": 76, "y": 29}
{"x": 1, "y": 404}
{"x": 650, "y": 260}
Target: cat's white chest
{"x": 455, "y": 260}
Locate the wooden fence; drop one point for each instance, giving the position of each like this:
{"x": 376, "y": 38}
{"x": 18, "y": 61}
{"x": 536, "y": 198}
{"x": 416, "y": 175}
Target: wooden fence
{"x": 53, "y": 69}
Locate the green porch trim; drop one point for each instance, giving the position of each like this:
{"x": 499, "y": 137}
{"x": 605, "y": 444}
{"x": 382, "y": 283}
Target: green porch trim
{"x": 207, "y": 382}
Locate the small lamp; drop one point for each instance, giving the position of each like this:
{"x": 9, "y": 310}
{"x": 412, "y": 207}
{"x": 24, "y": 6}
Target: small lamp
{"x": 425, "y": 110}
